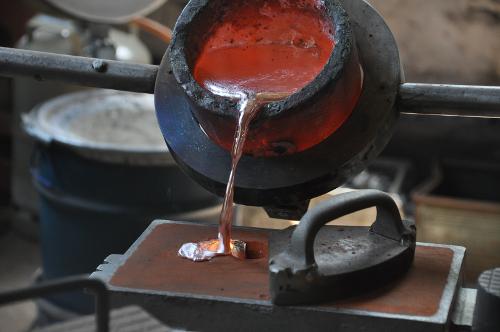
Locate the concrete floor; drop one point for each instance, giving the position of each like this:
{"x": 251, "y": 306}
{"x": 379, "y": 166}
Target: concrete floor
{"x": 19, "y": 261}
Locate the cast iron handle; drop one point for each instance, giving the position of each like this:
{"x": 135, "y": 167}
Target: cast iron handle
{"x": 388, "y": 222}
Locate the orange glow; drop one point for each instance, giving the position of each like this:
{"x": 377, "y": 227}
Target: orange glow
{"x": 276, "y": 47}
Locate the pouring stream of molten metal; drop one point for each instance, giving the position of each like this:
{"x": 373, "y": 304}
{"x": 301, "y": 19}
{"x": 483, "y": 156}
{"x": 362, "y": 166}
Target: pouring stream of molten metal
{"x": 263, "y": 52}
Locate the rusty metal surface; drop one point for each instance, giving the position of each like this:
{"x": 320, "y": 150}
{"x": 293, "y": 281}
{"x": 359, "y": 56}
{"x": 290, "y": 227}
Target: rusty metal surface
{"x": 166, "y": 271}
{"x": 434, "y": 279}
{"x": 155, "y": 266}
{"x": 419, "y": 293}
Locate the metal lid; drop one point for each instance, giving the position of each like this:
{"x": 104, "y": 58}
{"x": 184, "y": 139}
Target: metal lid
{"x": 107, "y": 11}
{"x": 106, "y": 125}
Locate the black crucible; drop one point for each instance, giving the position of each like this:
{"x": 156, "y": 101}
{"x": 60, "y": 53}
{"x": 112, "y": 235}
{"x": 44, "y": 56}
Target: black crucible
{"x": 314, "y": 139}
{"x": 304, "y": 118}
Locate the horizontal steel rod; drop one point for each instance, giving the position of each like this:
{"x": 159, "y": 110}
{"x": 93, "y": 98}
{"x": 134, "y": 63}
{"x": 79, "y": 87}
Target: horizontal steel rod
{"x": 440, "y": 99}
{"x": 445, "y": 99}
{"x": 90, "y": 72}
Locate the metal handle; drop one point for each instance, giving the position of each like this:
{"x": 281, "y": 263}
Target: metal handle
{"x": 446, "y": 99}
{"x": 99, "y": 73}
{"x": 438, "y": 99}
{"x": 388, "y": 222}
{"x": 64, "y": 285}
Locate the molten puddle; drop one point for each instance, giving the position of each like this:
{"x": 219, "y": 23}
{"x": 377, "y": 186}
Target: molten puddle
{"x": 206, "y": 250}
{"x": 262, "y": 52}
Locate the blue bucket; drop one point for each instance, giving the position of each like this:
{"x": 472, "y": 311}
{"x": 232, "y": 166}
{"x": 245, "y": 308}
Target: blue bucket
{"x": 96, "y": 199}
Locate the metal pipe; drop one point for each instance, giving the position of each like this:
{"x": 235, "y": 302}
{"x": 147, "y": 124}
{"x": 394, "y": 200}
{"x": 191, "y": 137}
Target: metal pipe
{"x": 445, "y": 99}
{"x": 77, "y": 70}
{"x": 64, "y": 285}
{"x": 438, "y": 99}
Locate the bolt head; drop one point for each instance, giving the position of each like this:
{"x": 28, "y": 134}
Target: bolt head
{"x": 99, "y": 66}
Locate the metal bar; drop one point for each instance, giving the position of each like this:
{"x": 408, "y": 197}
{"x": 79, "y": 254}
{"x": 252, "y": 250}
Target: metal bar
{"x": 64, "y": 285}
{"x": 77, "y": 70}
{"x": 439, "y": 99}
{"x": 446, "y": 99}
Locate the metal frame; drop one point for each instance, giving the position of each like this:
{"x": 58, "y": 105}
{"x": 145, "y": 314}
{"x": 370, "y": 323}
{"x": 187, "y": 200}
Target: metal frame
{"x": 65, "y": 285}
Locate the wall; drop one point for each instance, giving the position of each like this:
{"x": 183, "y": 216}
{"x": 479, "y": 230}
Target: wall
{"x": 453, "y": 41}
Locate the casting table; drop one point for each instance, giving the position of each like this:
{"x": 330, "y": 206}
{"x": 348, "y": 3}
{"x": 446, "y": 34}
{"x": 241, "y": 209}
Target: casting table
{"x": 233, "y": 294}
